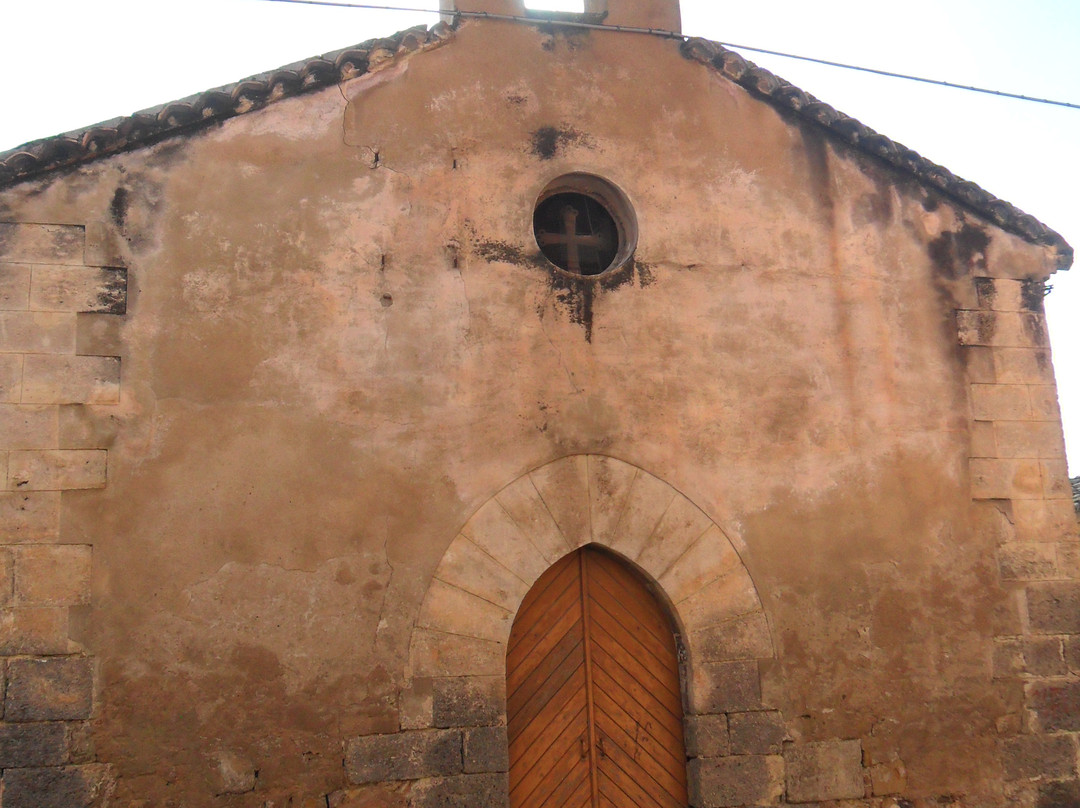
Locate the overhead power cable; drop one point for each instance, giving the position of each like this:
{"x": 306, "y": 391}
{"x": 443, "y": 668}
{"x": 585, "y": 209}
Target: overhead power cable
{"x": 543, "y": 20}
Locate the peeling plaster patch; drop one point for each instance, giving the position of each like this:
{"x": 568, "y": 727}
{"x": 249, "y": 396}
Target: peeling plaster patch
{"x": 302, "y": 119}
{"x": 206, "y": 291}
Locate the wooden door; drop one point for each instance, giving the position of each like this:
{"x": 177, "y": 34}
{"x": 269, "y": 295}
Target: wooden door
{"x": 594, "y": 708}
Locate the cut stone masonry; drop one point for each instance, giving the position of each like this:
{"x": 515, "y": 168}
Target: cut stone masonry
{"x": 50, "y": 276}
{"x": 1018, "y": 468}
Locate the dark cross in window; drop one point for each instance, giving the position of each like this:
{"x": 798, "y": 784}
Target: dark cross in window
{"x": 570, "y": 238}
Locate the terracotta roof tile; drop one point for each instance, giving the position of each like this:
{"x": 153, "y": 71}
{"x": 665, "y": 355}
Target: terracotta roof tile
{"x": 178, "y": 117}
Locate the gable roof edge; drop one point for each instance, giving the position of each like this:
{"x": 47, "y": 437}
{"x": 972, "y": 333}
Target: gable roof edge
{"x": 119, "y": 135}
{"x": 39, "y": 157}
{"x": 786, "y": 96}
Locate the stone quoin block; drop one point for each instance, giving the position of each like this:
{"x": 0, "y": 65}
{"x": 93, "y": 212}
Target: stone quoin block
{"x": 1005, "y": 479}
{"x": 11, "y": 368}
{"x": 1058, "y": 795}
{"x": 745, "y": 637}
{"x": 1009, "y": 329}
{"x": 37, "y": 332}
{"x": 51, "y": 689}
{"x": 1005, "y": 294}
{"x": 403, "y": 756}
{"x": 979, "y": 362}
{"x": 469, "y": 701}
{"x": 1029, "y": 439}
{"x": 1028, "y": 562}
{"x": 759, "y": 733}
{"x": 1055, "y": 706}
{"x": 1029, "y": 656}
{"x": 467, "y": 791}
{"x": 78, "y": 289}
{"x": 33, "y": 631}
{"x": 1023, "y": 366}
{"x": 29, "y": 426}
{"x": 1044, "y": 402}
{"x": 1068, "y": 559}
{"x": 53, "y": 575}
{"x": 1054, "y": 608}
{"x": 71, "y": 379}
{"x": 82, "y": 427}
{"x": 727, "y": 687}
{"x": 14, "y": 287}
{"x": 707, "y": 736}
{"x": 41, "y": 243}
{"x": 1040, "y": 756}
{"x": 1044, "y": 520}
{"x": 103, "y": 246}
{"x": 828, "y": 770}
{"x": 1056, "y": 483}
{"x": 485, "y": 750}
{"x": 1000, "y": 402}
{"x": 54, "y": 787}
{"x": 734, "y": 781}
{"x": 56, "y": 469}
{"x": 29, "y": 515}
{"x": 99, "y": 335}
{"x": 43, "y": 744}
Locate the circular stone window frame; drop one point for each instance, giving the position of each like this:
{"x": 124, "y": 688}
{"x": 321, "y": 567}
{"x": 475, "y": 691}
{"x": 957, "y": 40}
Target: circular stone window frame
{"x": 615, "y": 202}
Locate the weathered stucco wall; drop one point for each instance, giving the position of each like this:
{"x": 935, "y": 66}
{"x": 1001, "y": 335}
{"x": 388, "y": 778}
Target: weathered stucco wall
{"x": 339, "y": 343}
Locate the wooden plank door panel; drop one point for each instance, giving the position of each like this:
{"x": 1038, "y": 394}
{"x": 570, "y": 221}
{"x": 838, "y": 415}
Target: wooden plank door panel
{"x": 594, "y": 707}
{"x": 546, "y": 705}
{"x": 636, "y": 666}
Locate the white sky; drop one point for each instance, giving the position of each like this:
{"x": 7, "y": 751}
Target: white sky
{"x": 71, "y": 63}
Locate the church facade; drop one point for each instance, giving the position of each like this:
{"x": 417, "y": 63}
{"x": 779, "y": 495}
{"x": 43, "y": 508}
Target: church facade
{"x": 527, "y": 411}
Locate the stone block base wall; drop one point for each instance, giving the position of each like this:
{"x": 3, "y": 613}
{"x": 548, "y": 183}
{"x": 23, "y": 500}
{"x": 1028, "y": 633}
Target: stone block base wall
{"x": 743, "y": 756}
{"x": 60, "y": 286}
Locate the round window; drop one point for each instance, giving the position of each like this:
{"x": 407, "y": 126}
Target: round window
{"x": 584, "y": 225}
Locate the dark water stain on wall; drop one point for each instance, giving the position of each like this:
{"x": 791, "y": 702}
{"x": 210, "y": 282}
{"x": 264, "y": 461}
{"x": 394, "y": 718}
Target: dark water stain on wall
{"x": 576, "y": 294}
{"x": 958, "y": 253}
{"x": 548, "y": 140}
{"x": 118, "y": 207}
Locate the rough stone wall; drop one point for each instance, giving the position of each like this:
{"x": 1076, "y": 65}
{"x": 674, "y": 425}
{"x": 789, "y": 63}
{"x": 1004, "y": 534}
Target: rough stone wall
{"x": 341, "y": 354}
{"x": 60, "y": 288}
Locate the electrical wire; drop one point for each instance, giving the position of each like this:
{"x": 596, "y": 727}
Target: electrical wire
{"x": 676, "y": 35}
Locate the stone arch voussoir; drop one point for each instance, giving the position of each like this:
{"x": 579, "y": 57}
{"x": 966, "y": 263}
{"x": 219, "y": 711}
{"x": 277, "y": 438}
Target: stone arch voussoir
{"x": 466, "y": 615}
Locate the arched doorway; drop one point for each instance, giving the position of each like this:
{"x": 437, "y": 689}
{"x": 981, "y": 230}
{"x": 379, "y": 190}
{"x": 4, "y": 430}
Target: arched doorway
{"x": 594, "y": 703}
